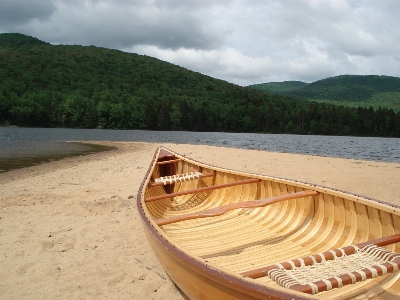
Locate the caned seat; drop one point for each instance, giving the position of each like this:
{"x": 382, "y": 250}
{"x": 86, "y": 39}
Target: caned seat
{"x": 334, "y": 268}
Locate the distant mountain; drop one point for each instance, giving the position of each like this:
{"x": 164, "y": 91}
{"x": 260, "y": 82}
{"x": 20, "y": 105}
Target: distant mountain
{"x": 279, "y": 87}
{"x": 350, "y": 90}
{"x": 76, "y": 86}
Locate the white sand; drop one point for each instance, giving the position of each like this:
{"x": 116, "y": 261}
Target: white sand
{"x": 70, "y": 229}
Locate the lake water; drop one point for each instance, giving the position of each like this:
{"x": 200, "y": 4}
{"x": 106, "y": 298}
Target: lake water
{"x": 21, "y": 147}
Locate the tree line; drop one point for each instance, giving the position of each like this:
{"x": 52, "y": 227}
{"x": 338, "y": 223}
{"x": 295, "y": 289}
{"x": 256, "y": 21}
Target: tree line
{"x": 348, "y": 90}
{"x": 89, "y": 87}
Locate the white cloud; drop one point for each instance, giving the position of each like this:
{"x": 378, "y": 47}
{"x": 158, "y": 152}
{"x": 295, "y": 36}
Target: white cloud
{"x": 220, "y": 64}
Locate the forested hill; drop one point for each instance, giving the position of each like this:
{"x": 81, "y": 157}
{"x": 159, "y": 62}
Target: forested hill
{"x": 352, "y": 90}
{"x": 279, "y": 87}
{"x": 90, "y": 87}
{"x": 17, "y": 40}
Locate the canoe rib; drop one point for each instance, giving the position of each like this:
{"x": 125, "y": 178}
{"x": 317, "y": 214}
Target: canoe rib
{"x": 217, "y": 211}
{"x": 202, "y": 189}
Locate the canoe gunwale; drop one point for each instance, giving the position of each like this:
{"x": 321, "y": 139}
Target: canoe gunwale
{"x": 229, "y": 280}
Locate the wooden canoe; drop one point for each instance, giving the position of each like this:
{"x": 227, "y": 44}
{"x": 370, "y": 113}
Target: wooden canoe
{"x": 222, "y": 234}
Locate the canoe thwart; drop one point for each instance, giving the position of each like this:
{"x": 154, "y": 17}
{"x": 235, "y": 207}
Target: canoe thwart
{"x": 334, "y": 268}
{"x": 168, "y": 161}
{"x": 179, "y": 178}
{"x": 165, "y": 155}
{"x": 217, "y": 211}
{"x": 202, "y": 189}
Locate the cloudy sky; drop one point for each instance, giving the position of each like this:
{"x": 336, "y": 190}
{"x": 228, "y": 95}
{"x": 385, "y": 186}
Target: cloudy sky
{"x": 243, "y": 42}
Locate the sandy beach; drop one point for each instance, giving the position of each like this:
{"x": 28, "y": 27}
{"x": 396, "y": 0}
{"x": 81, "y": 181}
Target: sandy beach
{"x": 69, "y": 229}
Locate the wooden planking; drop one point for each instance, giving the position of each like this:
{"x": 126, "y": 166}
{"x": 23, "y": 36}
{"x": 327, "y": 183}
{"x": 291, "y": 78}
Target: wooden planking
{"x": 276, "y": 219}
{"x": 339, "y": 222}
{"x": 335, "y": 211}
{"x": 387, "y": 227}
{"x": 213, "y": 201}
{"x": 242, "y": 233}
{"x": 287, "y": 242}
{"x": 243, "y": 205}
{"x": 369, "y": 289}
{"x": 283, "y": 226}
{"x": 255, "y": 253}
{"x": 210, "y": 231}
{"x": 375, "y": 225}
{"x": 290, "y": 249}
{"x": 316, "y": 222}
{"x": 362, "y": 231}
{"x": 351, "y": 224}
{"x": 221, "y": 197}
{"x": 227, "y": 199}
{"x": 396, "y": 226}
{"x": 252, "y": 241}
{"x": 313, "y": 241}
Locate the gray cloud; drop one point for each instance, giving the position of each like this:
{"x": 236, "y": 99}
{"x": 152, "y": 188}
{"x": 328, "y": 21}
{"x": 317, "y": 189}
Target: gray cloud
{"x": 18, "y": 12}
{"x": 119, "y": 24}
{"x": 244, "y": 42}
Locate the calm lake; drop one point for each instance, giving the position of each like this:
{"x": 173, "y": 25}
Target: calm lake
{"x": 21, "y": 147}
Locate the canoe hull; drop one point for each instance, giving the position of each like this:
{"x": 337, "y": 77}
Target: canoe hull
{"x": 193, "y": 283}
{"x": 197, "y": 282}
{"x": 198, "y": 269}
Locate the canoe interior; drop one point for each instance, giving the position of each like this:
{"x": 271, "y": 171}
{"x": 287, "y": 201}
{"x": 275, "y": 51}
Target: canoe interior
{"x": 245, "y": 239}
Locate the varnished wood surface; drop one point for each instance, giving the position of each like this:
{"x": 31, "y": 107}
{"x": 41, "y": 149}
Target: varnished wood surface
{"x": 220, "y": 210}
{"x": 201, "y": 189}
{"x": 241, "y": 240}
{"x": 168, "y": 161}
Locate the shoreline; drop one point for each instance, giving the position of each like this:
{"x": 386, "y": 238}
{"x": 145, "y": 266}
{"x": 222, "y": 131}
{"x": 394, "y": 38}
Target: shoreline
{"x": 70, "y": 228}
{"x": 55, "y": 153}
